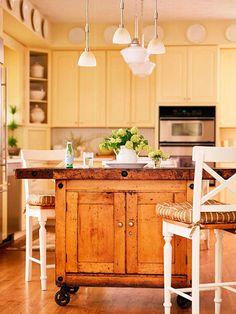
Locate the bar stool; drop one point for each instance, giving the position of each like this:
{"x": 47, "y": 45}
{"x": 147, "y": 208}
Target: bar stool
{"x": 187, "y": 219}
{"x": 40, "y": 204}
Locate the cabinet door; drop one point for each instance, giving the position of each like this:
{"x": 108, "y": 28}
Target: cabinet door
{"x": 228, "y": 89}
{"x": 144, "y": 235}
{"x": 143, "y": 101}
{"x": 202, "y": 74}
{"x": 92, "y": 98}
{"x": 95, "y": 239}
{"x": 65, "y": 84}
{"x": 36, "y": 138}
{"x": 172, "y": 75}
{"x": 118, "y": 90}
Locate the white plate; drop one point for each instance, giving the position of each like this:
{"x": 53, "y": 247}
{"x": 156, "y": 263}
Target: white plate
{"x": 149, "y": 32}
{"x": 127, "y": 165}
{"x": 45, "y": 30}
{"x": 36, "y": 20}
{"x": 109, "y": 33}
{"x": 11, "y": 4}
{"x": 230, "y": 33}
{"x": 76, "y": 35}
{"x": 24, "y": 10}
{"x": 196, "y": 33}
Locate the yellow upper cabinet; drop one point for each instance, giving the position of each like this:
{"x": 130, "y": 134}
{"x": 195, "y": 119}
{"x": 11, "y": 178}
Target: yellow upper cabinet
{"x": 118, "y": 90}
{"x": 65, "y": 92}
{"x": 143, "y": 101}
{"x": 92, "y": 93}
{"x": 227, "y": 112}
{"x": 187, "y": 75}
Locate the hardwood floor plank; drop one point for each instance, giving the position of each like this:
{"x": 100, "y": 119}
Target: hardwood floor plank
{"x": 20, "y": 297}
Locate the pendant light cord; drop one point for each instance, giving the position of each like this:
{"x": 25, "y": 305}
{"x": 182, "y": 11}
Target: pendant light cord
{"x": 122, "y": 6}
{"x": 141, "y": 23}
{"x": 87, "y": 26}
{"x": 156, "y": 17}
{"x": 136, "y": 21}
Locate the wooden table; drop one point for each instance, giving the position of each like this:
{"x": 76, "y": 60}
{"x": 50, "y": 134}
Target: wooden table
{"x": 107, "y": 231}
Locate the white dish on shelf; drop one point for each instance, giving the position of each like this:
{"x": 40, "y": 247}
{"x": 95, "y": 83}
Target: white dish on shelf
{"x": 24, "y": 10}
{"x": 36, "y": 20}
{"x": 230, "y": 33}
{"x": 127, "y": 165}
{"x": 196, "y": 33}
{"x": 37, "y": 94}
{"x": 11, "y": 4}
{"x": 45, "y": 29}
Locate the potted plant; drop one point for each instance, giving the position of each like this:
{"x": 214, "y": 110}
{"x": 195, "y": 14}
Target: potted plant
{"x": 126, "y": 143}
{"x": 13, "y": 149}
{"x": 157, "y": 155}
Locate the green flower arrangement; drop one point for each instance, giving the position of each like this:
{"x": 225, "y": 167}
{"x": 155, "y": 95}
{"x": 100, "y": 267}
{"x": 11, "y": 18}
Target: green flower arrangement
{"x": 130, "y": 138}
{"x": 158, "y": 154}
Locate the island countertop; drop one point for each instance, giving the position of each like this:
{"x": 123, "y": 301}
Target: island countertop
{"x": 116, "y": 174}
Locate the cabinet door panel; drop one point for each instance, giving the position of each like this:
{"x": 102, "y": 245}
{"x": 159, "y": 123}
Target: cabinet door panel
{"x": 202, "y": 74}
{"x": 228, "y": 90}
{"x": 92, "y": 98}
{"x": 171, "y": 75}
{"x": 65, "y": 89}
{"x": 146, "y": 236}
{"x": 99, "y": 244}
{"x": 143, "y": 101}
{"x": 118, "y": 90}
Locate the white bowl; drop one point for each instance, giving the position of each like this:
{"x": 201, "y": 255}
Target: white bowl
{"x": 37, "y": 94}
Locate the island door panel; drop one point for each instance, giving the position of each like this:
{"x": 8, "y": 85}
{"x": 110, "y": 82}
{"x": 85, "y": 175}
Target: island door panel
{"x": 144, "y": 235}
{"x": 95, "y": 235}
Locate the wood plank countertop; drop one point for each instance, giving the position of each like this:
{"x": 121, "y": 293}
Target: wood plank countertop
{"x": 116, "y": 174}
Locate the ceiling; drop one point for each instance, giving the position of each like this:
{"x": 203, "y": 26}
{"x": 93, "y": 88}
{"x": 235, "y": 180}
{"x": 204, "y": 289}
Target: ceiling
{"x": 107, "y": 11}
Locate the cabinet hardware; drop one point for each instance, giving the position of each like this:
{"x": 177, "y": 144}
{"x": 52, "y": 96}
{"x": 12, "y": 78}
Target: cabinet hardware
{"x": 191, "y": 186}
{"x": 124, "y": 173}
{"x": 60, "y": 185}
{"x": 120, "y": 224}
{"x": 131, "y": 223}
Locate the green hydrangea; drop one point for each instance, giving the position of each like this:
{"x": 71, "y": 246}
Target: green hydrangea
{"x": 129, "y": 145}
{"x": 134, "y": 130}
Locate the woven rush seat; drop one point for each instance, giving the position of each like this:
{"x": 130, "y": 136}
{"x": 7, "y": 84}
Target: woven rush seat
{"x": 182, "y": 212}
{"x": 42, "y": 200}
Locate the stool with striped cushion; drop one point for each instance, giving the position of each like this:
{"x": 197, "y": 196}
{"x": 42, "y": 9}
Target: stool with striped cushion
{"x": 40, "y": 203}
{"x": 187, "y": 219}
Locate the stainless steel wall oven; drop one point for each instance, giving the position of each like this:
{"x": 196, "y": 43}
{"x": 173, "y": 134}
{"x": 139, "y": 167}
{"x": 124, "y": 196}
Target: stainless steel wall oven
{"x": 182, "y": 127}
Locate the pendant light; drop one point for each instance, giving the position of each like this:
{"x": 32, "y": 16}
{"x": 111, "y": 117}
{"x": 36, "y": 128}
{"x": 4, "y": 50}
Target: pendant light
{"x": 155, "y": 45}
{"x": 121, "y": 35}
{"x": 142, "y": 69}
{"x": 87, "y": 58}
{"x": 135, "y": 53}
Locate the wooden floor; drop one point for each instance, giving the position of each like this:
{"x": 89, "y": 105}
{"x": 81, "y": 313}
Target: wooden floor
{"x": 16, "y": 296}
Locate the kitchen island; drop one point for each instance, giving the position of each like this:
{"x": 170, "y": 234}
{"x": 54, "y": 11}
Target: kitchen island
{"x": 107, "y": 231}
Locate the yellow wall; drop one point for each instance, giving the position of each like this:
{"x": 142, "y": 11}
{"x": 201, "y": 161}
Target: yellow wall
{"x": 174, "y": 34}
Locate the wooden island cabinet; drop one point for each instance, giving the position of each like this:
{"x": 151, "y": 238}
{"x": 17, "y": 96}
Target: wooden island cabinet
{"x": 107, "y": 230}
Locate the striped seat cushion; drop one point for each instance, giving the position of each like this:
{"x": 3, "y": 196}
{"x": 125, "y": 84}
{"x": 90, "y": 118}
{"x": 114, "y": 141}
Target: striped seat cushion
{"x": 182, "y": 212}
{"x": 42, "y": 199}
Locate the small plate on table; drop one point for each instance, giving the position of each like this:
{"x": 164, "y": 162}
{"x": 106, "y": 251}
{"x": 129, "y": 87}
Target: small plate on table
{"x": 127, "y": 165}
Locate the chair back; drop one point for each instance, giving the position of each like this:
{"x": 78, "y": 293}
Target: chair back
{"x": 202, "y": 155}
{"x": 40, "y": 158}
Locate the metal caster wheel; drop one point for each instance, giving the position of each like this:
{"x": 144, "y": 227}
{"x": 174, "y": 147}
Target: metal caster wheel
{"x": 62, "y": 297}
{"x": 73, "y": 290}
{"x": 183, "y": 303}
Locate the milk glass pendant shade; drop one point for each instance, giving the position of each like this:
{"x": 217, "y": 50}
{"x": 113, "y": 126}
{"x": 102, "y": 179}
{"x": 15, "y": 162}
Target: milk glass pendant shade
{"x": 87, "y": 58}
{"x": 135, "y": 53}
{"x": 156, "y": 46}
{"x": 121, "y": 36}
{"x": 142, "y": 69}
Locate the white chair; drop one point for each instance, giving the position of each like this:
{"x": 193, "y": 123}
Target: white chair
{"x": 187, "y": 219}
{"x": 40, "y": 203}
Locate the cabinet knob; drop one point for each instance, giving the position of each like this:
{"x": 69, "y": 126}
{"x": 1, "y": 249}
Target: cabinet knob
{"x": 131, "y": 223}
{"x": 120, "y": 224}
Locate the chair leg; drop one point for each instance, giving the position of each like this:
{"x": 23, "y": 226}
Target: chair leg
{"x": 218, "y": 268}
{"x": 196, "y": 271}
{"x": 42, "y": 243}
{"x": 167, "y": 268}
{"x": 28, "y": 249}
